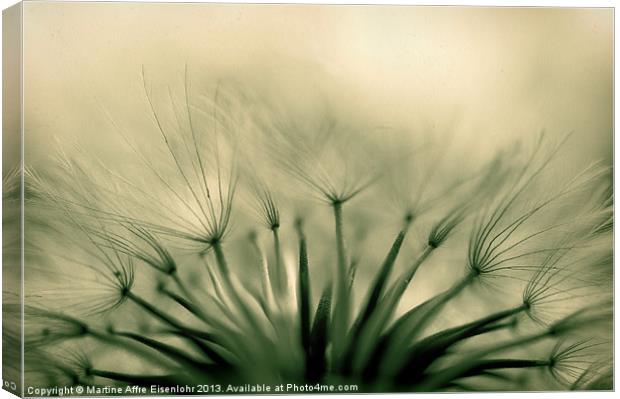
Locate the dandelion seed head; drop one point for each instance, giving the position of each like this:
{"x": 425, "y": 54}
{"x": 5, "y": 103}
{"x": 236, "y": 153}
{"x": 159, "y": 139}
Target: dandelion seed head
{"x": 568, "y": 361}
{"x": 444, "y": 227}
{"x": 162, "y": 223}
{"x": 518, "y": 232}
{"x": 44, "y": 327}
{"x": 266, "y": 206}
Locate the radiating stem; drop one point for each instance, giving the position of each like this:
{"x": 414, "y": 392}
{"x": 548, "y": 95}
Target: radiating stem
{"x": 440, "y": 379}
{"x": 352, "y": 272}
{"x": 165, "y": 349}
{"x": 190, "y": 306}
{"x": 482, "y": 367}
{"x": 424, "y": 352}
{"x": 220, "y": 299}
{"x": 265, "y": 279}
{"x": 221, "y": 259}
{"x": 304, "y": 290}
{"x": 182, "y": 287}
{"x": 408, "y": 332}
{"x": 342, "y": 304}
{"x": 234, "y": 294}
{"x": 340, "y": 246}
{"x": 158, "y": 313}
{"x": 138, "y": 349}
{"x": 281, "y": 275}
{"x": 408, "y": 277}
{"x": 372, "y": 303}
{"x": 316, "y": 362}
{"x": 376, "y": 324}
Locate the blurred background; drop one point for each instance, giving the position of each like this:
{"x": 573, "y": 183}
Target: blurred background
{"x": 494, "y": 73}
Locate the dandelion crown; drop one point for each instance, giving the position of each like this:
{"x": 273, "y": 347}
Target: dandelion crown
{"x": 240, "y": 244}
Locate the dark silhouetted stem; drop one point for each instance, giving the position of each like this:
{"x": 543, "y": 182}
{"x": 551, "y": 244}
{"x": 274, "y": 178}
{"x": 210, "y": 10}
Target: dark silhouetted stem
{"x": 342, "y": 305}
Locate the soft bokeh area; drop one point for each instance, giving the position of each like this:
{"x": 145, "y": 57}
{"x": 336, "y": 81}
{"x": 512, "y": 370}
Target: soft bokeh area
{"x": 493, "y": 73}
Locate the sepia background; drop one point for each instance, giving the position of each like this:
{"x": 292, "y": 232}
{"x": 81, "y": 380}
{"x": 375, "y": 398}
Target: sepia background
{"x": 497, "y": 72}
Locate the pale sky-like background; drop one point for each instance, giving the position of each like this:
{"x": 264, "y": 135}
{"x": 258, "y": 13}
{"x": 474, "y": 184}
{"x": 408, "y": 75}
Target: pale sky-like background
{"x": 500, "y": 73}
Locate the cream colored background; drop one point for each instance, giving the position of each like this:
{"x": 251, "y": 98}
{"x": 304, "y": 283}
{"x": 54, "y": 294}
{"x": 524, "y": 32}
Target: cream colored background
{"x": 500, "y": 73}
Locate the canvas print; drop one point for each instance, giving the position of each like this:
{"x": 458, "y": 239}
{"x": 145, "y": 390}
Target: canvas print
{"x": 211, "y": 199}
